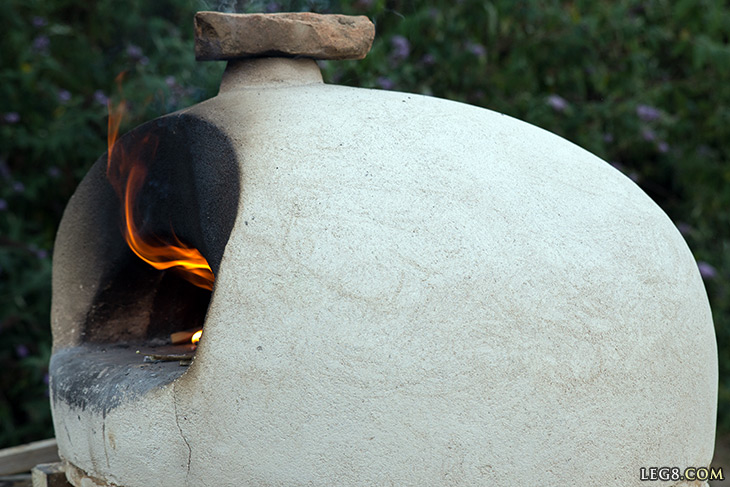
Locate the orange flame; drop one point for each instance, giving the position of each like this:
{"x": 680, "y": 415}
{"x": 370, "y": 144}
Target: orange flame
{"x": 196, "y": 336}
{"x": 159, "y": 254}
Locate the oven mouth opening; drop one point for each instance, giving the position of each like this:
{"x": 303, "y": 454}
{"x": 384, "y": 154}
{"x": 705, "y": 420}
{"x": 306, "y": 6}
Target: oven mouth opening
{"x": 144, "y": 308}
{"x": 124, "y": 349}
{"x": 110, "y": 308}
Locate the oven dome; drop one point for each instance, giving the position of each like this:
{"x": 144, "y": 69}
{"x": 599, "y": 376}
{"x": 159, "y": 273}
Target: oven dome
{"x": 418, "y": 292}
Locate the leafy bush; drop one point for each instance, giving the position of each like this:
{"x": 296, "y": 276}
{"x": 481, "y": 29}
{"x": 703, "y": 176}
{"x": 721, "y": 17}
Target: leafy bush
{"x": 644, "y": 85}
{"x": 59, "y": 64}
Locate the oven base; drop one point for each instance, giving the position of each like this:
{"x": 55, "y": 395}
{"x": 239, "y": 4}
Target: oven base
{"x": 79, "y": 478}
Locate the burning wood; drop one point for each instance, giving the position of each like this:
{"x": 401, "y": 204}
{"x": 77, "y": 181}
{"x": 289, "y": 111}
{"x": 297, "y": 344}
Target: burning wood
{"x": 183, "y": 351}
{"x": 188, "y": 336}
{"x": 167, "y": 357}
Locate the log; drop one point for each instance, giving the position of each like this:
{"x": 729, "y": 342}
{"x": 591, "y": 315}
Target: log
{"x": 22, "y": 458}
{"x": 50, "y": 475}
{"x": 23, "y": 480}
{"x": 182, "y": 337}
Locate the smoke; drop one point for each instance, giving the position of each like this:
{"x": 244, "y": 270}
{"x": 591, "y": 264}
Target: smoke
{"x": 263, "y": 6}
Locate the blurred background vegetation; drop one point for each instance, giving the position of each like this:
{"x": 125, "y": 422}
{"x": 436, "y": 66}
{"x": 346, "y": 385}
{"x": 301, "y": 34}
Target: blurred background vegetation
{"x": 645, "y": 85}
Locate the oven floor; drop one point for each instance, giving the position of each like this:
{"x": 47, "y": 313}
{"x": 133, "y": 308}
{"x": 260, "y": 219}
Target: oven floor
{"x": 101, "y": 376}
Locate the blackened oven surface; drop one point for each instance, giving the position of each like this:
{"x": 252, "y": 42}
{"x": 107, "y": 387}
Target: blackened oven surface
{"x": 108, "y": 303}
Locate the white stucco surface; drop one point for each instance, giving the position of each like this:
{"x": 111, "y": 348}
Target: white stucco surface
{"x": 419, "y": 292}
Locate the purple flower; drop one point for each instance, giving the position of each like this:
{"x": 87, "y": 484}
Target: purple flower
{"x": 648, "y": 134}
{"x": 64, "y": 96}
{"x": 41, "y": 43}
{"x": 617, "y": 165}
{"x": 134, "y": 52}
{"x": 11, "y": 117}
{"x": 706, "y": 270}
{"x": 38, "y": 21}
{"x": 662, "y": 147}
{"x": 3, "y": 205}
{"x": 46, "y": 379}
{"x": 385, "y": 83}
{"x": 170, "y": 81}
{"x": 684, "y": 228}
{"x": 477, "y": 49}
{"x": 144, "y": 61}
{"x": 633, "y": 175}
{"x": 21, "y": 351}
{"x": 704, "y": 151}
{"x": 608, "y": 137}
{"x": 401, "y": 47}
{"x": 41, "y": 254}
{"x": 648, "y": 113}
{"x": 54, "y": 172}
{"x": 428, "y": 60}
{"x": 557, "y": 103}
{"x": 336, "y": 77}
{"x": 100, "y": 97}
{"x": 18, "y": 187}
{"x": 272, "y": 7}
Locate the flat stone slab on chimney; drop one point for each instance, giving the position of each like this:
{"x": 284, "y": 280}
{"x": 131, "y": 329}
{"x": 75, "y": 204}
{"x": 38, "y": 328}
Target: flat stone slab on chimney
{"x": 220, "y": 36}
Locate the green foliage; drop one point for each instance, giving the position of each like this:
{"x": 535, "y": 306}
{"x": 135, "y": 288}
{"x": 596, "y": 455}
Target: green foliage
{"x": 644, "y": 85}
{"x": 59, "y": 64}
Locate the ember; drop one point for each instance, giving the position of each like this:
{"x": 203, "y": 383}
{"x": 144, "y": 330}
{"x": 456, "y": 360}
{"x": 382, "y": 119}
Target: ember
{"x": 189, "y": 336}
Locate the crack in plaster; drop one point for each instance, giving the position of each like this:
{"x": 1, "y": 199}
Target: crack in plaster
{"x": 68, "y": 434}
{"x": 103, "y": 440}
{"x": 182, "y": 435}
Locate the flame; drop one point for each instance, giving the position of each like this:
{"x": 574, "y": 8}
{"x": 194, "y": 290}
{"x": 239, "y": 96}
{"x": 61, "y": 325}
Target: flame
{"x": 127, "y": 176}
{"x": 196, "y": 336}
